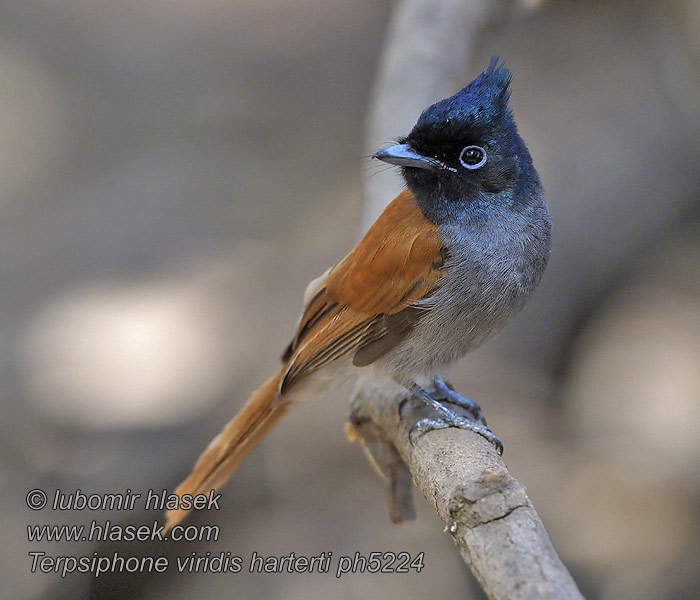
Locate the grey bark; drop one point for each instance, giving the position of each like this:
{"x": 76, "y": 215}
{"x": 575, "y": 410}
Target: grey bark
{"x": 486, "y": 511}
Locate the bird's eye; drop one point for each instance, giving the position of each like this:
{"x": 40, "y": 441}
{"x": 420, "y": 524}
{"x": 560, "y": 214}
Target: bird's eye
{"x": 472, "y": 157}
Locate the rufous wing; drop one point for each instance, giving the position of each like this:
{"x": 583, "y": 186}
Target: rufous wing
{"x": 369, "y": 301}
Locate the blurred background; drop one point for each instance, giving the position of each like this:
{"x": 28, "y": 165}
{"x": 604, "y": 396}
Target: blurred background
{"x": 172, "y": 174}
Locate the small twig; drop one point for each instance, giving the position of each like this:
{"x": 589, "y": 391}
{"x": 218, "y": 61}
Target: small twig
{"x": 486, "y": 510}
{"x": 386, "y": 460}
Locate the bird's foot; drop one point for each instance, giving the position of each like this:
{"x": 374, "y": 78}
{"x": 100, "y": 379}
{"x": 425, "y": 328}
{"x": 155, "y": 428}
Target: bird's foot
{"x": 448, "y": 393}
{"x": 449, "y": 418}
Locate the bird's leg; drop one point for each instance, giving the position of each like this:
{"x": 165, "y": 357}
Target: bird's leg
{"x": 448, "y": 419}
{"x": 453, "y": 397}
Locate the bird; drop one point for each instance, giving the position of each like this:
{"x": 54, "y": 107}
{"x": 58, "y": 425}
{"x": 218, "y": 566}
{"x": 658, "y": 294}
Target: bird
{"x": 449, "y": 261}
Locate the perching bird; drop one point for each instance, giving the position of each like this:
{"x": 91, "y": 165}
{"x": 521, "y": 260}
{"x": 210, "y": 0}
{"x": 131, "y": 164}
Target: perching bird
{"x": 448, "y": 262}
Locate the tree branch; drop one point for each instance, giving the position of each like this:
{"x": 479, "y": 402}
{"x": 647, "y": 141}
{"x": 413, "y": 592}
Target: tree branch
{"x": 486, "y": 510}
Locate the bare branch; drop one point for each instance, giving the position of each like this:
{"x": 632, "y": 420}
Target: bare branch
{"x": 486, "y": 510}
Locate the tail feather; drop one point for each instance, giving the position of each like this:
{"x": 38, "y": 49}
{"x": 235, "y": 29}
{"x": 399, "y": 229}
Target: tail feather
{"x": 228, "y": 449}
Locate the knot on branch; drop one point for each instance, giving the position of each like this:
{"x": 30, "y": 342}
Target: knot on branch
{"x": 494, "y": 495}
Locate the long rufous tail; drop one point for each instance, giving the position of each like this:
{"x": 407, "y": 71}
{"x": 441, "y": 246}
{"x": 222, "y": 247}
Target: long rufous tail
{"x": 228, "y": 449}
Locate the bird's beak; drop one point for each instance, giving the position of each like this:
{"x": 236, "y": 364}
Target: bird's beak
{"x": 405, "y": 156}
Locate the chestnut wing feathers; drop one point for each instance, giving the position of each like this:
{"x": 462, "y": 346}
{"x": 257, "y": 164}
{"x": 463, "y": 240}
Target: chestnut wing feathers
{"x": 368, "y": 303}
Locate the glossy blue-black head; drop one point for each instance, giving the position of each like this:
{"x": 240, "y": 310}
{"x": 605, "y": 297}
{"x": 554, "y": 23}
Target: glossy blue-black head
{"x": 467, "y": 146}
{"x": 476, "y": 110}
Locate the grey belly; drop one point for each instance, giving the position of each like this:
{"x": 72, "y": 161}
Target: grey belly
{"x": 476, "y": 300}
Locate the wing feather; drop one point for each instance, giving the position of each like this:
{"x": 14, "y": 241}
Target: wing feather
{"x": 367, "y": 302}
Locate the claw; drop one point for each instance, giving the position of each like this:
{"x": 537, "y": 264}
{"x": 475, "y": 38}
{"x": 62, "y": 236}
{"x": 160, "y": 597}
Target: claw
{"x": 454, "y": 397}
{"x": 423, "y": 426}
{"x": 450, "y": 419}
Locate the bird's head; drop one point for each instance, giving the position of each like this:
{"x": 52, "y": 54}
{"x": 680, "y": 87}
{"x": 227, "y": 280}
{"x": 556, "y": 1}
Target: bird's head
{"x": 465, "y": 147}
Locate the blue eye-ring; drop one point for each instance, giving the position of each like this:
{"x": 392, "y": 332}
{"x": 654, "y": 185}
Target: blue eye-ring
{"x": 472, "y": 157}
